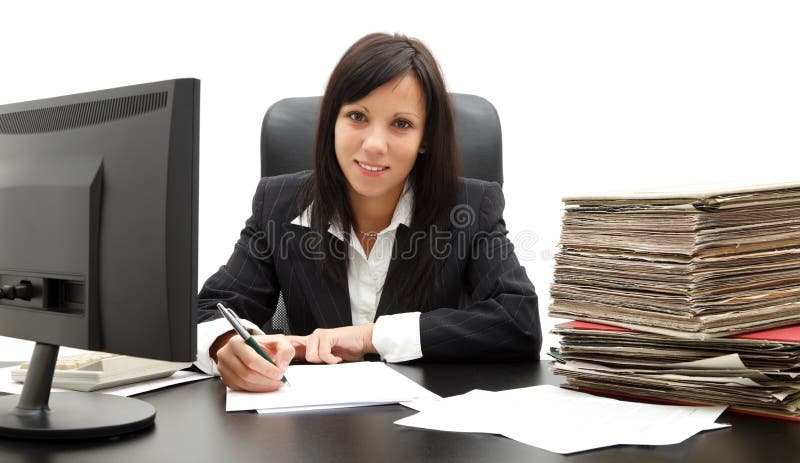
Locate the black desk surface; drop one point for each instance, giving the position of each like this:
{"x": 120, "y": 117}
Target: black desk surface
{"x": 192, "y": 426}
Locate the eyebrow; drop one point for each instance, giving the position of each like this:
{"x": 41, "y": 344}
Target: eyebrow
{"x": 366, "y": 110}
{"x": 410, "y": 114}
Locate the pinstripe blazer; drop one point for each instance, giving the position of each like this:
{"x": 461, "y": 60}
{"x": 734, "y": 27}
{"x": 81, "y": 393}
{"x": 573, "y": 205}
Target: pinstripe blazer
{"x": 485, "y": 307}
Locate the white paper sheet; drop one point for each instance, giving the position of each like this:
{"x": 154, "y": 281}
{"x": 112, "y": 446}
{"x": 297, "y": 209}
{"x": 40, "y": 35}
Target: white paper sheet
{"x": 267, "y": 411}
{"x": 332, "y": 386}
{"x": 564, "y": 421}
{"x": 10, "y": 386}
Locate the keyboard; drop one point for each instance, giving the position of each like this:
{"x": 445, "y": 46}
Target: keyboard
{"x": 93, "y": 371}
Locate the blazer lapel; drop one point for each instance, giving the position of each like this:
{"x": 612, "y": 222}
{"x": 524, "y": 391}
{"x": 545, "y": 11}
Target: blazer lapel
{"x": 329, "y": 302}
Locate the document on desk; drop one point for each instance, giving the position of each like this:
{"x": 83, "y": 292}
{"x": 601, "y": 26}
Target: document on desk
{"x": 564, "y": 421}
{"x": 10, "y": 386}
{"x": 315, "y": 387}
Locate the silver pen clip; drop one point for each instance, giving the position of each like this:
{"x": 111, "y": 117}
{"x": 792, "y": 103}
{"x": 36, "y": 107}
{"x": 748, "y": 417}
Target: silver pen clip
{"x": 230, "y": 315}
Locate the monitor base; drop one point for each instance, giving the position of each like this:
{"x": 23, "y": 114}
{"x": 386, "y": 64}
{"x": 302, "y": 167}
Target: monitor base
{"x": 75, "y": 415}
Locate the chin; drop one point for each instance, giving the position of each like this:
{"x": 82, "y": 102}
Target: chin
{"x": 369, "y": 191}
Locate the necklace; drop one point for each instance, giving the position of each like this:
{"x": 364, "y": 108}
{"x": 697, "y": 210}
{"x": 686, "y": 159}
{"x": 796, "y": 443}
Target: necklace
{"x": 369, "y": 234}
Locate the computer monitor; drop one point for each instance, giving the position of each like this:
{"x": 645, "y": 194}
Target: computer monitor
{"x": 98, "y": 243}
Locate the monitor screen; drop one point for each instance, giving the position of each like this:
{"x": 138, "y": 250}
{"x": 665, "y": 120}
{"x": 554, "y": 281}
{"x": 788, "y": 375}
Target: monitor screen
{"x": 98, "y": 220}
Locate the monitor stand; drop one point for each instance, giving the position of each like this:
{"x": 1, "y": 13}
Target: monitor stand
{"x": 36, "y": 414}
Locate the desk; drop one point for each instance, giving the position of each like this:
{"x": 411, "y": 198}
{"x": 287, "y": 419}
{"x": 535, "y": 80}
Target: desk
{"x": 192, "y": 426}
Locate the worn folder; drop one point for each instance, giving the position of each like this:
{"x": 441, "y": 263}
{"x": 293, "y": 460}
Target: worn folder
{"x": 756, "y": 373}
{"x": 695, "y": 264}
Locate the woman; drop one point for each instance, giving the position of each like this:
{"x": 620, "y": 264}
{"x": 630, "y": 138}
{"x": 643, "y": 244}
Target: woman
{"x": 382, "y": 248}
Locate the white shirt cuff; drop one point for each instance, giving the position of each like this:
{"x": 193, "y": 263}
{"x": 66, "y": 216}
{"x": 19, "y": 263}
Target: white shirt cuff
{"x": 396, "y": 337}
{"x": 207, "y": 333}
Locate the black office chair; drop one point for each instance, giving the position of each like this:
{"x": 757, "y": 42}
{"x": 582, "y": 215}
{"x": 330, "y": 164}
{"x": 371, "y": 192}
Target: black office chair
{"x": 287, "y": 146}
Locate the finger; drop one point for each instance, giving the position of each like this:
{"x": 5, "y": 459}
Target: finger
{"x": 254, "y": 368}
{"x": 229, "y": 377}
{"x": 237, "y": 376}
{"x": 299, "y": 344}
{"x": 324, "y": 349}
{"x": 237, "y": 383}
{"x": 281, "y": 351}
{"x": 265, "y": 386}
{"x": 250, "y": 358}
{"x": 284, "y": 356}
{"x": 247, "y": 380}
{"x": 312, "y": 347}
{"x": 348, "y": 356}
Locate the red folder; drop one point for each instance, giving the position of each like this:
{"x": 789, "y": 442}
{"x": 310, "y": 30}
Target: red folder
{"x": 782, "y": 334}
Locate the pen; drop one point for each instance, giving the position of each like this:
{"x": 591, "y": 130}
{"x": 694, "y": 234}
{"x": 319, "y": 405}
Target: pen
{"x": 230, "y": 315}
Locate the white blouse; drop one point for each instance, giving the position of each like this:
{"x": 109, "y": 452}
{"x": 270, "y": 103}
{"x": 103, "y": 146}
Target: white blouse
{"x": 395, "y": 337}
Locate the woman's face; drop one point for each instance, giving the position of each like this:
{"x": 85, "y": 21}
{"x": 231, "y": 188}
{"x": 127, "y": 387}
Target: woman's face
{"x": 377, "y": 138}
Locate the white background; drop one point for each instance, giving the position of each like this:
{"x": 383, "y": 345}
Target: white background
{"x": 592, "y": 95}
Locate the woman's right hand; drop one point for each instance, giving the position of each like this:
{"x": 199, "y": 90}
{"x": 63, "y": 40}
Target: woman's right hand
{"x": 243, "y": 369}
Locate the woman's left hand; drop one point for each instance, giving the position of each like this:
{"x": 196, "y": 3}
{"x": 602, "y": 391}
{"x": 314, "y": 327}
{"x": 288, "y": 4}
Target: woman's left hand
{"x": 336, "y": 344}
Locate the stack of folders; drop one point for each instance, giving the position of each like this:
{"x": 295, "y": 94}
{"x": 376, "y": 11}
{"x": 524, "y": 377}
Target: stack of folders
{"x": 756, "y": 373}
{"x": 691, "y": 264}
{"x": 676, "y": 278}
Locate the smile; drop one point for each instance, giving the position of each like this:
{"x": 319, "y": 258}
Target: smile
{"x": 371, "y": 168}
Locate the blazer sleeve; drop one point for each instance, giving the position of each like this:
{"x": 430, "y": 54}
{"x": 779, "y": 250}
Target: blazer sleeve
{"x": 502, "y": 320}
{"x": 248, "y": 282}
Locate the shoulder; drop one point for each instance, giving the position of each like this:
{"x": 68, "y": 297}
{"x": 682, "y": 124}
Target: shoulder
{"x": 281, "y": 185}
{"x": 480, "y": 199}
{"x": 277, "y": 197}
{"x": 476, "y": 193}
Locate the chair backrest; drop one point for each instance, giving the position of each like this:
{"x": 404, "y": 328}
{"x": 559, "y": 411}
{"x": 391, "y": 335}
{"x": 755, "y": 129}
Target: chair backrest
{"x": 287, "y": 136}
{"x": 287, "y": 146}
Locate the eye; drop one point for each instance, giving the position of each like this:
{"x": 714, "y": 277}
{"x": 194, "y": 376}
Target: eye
{"x": 403, "y": 124}
{"x": 357, "y": 116}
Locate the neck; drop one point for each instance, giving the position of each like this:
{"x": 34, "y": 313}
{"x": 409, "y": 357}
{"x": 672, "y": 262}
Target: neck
{"x": 372, "y": 214}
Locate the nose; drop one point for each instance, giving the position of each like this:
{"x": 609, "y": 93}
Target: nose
{"x": 376, "y": 141}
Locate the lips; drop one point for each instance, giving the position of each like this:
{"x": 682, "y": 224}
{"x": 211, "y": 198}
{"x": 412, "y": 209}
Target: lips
{"x": 371, "y": 170}
{"x": 371, "y": 167}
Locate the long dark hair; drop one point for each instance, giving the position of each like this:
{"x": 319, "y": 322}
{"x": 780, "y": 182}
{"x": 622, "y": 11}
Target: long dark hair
{"x": 369, "y": 63}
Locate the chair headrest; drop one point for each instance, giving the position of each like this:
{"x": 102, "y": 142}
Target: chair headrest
{"x": 287, "y": 136}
